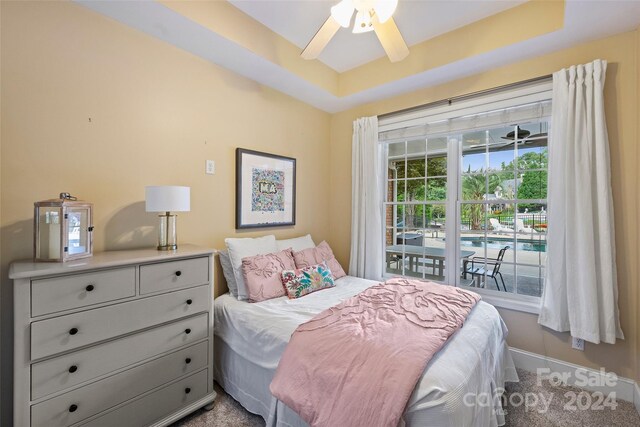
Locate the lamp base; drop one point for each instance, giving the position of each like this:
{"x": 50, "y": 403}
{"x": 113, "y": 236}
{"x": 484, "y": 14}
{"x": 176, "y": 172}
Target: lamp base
{"x": 167, "y": 236}
{"x": 168, "y": 248}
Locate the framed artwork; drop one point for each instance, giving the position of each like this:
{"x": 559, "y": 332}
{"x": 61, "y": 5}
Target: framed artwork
{"x": 265, "y": 189}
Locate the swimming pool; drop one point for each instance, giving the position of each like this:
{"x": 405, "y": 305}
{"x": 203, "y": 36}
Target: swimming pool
{"x": 499, "y": 243}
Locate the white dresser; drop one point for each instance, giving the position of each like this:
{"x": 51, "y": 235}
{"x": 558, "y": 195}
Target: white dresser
{"x": 124, "y": 338}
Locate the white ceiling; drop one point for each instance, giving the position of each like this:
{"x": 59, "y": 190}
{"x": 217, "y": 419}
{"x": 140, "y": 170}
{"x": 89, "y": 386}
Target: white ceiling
{"x": 418, "y": 20}
{"x": 584, "y": 20}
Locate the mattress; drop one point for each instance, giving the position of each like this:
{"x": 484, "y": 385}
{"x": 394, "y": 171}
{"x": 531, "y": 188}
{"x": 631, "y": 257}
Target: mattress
{"x": 251, "y": 337}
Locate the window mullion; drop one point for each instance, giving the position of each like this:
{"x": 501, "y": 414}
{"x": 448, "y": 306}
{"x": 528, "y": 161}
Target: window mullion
{"x": 516, "y": 168}
{"x": 424, "y": 206}
{"x": 404, "y": 208}
{"x": 453, "y": 210}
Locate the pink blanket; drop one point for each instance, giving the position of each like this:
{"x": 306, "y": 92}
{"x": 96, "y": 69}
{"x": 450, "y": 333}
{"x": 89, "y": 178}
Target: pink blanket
{"x": 356, "y": 364}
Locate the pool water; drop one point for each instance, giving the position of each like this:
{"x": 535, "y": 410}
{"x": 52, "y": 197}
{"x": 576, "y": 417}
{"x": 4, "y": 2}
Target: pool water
{"x": 497, "y": 243}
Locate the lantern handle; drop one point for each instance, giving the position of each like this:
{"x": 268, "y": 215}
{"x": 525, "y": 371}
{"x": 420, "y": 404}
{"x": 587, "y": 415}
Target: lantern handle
{"x": 67, "y": 196}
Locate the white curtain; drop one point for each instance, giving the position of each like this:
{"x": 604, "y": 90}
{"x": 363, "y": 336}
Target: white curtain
{"x": 581, "y": 291}
{"x": 366, "y": 201}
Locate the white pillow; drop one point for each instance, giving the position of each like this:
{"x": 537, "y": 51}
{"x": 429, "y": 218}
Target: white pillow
{"x": 227, "y": 270}
{"x": 297, "y": 243}
{"x": 246, "y": 247}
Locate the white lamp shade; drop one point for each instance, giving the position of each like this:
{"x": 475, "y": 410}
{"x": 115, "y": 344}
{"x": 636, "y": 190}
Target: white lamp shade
{"x": 167, "y": 198}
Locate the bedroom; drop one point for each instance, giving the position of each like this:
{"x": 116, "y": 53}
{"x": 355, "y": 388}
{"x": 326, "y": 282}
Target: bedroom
{"x": 100, "y": 102}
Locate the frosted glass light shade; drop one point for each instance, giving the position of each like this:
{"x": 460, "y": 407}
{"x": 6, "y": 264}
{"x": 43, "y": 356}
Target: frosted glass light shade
{"x": 342, "y": 12}
{"x": 167, "y": 198}
{"x": 384, "y": 9}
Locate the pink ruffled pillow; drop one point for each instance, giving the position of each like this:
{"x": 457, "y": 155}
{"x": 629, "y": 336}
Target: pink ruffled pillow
{"x": 303, "y": 281}
{"x": 314, "y": 256}
{"x": 263, "y": 274}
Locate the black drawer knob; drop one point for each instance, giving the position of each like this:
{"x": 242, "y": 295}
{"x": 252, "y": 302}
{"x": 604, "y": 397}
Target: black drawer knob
{"x": 187, "y": 331}
{"x": 73, "y": 368}
{"x": 187, "y": 360}
{"x": 178, "y": 273}
{"x": 73, "y": 331}
{"x": 187, "y": 390}
{"x": 189, "y": 301}
{"x": 73, "y": 408}
{"x": 89, "y": 288}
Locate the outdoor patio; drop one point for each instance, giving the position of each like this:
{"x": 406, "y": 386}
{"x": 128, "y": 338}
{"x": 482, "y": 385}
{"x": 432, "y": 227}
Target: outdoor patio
{"x": 528, "y": 265}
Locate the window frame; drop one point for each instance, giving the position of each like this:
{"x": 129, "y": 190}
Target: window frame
{"x": 535, "y": 93}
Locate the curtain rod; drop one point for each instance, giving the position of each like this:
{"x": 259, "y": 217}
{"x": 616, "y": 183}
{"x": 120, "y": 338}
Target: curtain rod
{"x": 449, "y": 101}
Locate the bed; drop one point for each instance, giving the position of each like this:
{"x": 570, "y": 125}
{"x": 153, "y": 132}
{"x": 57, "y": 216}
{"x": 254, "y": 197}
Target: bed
{"x": 249, "y": 339}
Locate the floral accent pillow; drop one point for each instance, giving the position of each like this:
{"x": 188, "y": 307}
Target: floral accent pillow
{"x": 301, "y": 282}
{"x": 319, "y": 254}
{"x": 262, "y": 274}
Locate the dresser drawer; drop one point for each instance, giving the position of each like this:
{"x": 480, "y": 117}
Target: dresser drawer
{"x": 52, "y": 336}
{"x": 175, "y": 274}
{"x": 65, "y": 371}
{"x": 154, "y": 406}
{"x": 94, "y": 398}
{"x": 80, "y": 290}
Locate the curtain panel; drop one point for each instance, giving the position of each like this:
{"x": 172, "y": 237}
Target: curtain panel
{"x": 366, "y": 201}
{"x": 581, "y": 292}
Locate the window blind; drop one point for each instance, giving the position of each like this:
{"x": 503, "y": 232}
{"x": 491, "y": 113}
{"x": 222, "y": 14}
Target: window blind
{"x": 526, "y": 104}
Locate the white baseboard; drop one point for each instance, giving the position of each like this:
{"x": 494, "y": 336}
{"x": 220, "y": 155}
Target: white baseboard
{"x": 625, "y": 388}
{"x": 636, "y": 397}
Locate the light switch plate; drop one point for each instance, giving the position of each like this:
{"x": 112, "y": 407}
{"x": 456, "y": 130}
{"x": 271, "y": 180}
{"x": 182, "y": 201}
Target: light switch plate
{"x": 210, "y": 167}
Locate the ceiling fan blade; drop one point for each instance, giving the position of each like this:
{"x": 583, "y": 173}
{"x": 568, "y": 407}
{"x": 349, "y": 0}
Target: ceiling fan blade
{"x": 321, "y": 39}
{"x": 391, "y": 39}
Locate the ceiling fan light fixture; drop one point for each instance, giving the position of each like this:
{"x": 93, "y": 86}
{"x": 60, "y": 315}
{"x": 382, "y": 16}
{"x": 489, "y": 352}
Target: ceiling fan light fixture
{"x": 363, "y": 23}
{"x": 385, "y": 9}
{"x": 372, "y": 15}
{"x": 342, "y": 12}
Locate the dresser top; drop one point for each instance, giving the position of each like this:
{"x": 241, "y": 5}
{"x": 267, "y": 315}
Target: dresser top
{"x": 29, "y": 268}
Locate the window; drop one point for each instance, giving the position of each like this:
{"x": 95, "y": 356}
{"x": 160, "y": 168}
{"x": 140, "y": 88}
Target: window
{"x": 466, "y": 194}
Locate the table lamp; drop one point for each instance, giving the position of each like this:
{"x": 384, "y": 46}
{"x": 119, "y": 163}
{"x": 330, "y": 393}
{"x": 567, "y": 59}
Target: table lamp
{"x": 167, "y": 199}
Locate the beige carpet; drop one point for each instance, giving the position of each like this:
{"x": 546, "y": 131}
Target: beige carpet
{"x": 624, "y": 415}
{"x": 225, "y": 412}
{"x": 228, "y": 412}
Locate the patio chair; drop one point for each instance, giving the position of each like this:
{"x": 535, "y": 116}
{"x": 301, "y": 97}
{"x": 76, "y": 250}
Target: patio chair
{"x": 476, "y": 267}
{"x": 521, "y": 228}
{"x": 409, "y": 239}
{"x": 495, "y": 224}
{"x": 412, "y": 239}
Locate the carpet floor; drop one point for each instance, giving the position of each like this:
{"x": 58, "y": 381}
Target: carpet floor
{"x": 228, "y": 412}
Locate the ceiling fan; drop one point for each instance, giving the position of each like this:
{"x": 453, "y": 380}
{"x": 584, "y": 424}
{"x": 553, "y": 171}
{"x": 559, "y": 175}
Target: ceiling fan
{"x": 372, "y": 15}
{"x": 525, "y": 138}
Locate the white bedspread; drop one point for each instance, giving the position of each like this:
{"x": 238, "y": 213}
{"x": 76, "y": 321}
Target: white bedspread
{"x": 251, "y": 337}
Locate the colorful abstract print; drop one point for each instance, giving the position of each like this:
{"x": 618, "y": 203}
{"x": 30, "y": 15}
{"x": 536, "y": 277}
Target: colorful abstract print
{"x": 267, "y": 190}
{"x": 301, "y": 282}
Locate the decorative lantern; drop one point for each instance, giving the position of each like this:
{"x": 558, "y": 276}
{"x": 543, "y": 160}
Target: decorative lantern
{"x": 63, "y": 229}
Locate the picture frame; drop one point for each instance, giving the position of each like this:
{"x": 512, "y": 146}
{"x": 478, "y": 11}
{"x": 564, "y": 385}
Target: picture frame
{"x": 265, "y": 190}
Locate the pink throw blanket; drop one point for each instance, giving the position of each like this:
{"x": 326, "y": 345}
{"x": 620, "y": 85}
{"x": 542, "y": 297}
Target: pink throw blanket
{"x": 356, "y": 364}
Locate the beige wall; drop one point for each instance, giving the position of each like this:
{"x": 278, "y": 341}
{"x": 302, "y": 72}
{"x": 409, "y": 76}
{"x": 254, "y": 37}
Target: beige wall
{"x": 621, "y": 100}
{"x": 638, "y": 201}
{"x": 156, "y": 113}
